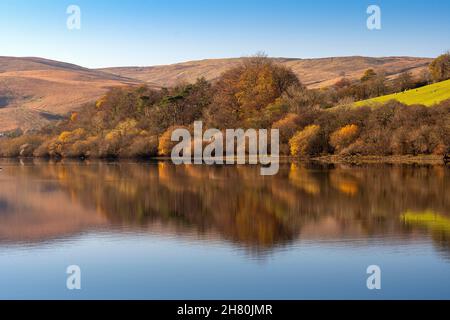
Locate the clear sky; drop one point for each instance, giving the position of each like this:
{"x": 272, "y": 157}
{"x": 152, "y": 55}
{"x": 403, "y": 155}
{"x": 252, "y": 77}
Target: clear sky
{"x": 138, "y": 32}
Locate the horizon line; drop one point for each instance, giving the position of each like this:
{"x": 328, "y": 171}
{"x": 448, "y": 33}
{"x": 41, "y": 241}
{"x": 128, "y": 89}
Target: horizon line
{"x": 210, "y": 59}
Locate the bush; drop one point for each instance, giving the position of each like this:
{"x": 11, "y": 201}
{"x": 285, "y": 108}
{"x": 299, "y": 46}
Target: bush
{"x": 344, "y": 136}
{"x": 22, "y": 146}
{"x": 374, "y": 142}
{"x": 165, "y": 141}
{"x": 62, "y": 145}
{"x": 84, "y": 148}
{"x": 142, "y": 147}
{"x": 42, "y": 150}
{"x": 423, "y": 140}
{"x": 287, "y": 127}
{"x": 305, "y": 142}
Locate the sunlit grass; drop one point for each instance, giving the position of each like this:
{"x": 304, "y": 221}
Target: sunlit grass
{"x": 427, "y": 95}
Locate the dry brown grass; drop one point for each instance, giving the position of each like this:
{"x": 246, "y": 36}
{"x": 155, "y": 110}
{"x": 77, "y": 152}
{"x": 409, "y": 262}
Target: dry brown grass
{"x": 35, "y": 89}
{"x": 315, "y": 73}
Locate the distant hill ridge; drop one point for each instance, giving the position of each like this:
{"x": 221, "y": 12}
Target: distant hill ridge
{"x": 314, "y": 73}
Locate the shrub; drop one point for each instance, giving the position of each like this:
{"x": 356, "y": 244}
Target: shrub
{"x": 344, "y": 136}
{"x": 109, "y": 147}
{"x": 287, "y": 127}
{"x": 22, "y": 146}
{"x": 165, "y": 141}
{"x": 62, "y": 146}
{"x": 142, "y": 147}
{"x": 423, "y": 140}
{"x": 42, "y": 150}
{"x": 305, "y": 142}
{"x": 374, "y": 142}
{"x": 83, "y": 148}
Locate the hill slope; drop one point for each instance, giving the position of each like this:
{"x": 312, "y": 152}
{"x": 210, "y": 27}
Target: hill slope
{"x": 314, "y": 73}
{"x": 34, "y": 91}
{"x": 427, "y": 95}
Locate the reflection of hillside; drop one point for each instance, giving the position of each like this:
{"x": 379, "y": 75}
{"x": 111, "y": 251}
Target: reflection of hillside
{"x": 232, "y": 203}
{"x": 40, "y": 211}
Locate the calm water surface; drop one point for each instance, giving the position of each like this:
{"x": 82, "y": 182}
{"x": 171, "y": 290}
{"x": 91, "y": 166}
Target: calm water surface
{"x": 155, "y": 231}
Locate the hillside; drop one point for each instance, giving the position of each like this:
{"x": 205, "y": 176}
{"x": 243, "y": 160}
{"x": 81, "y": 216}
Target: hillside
{"x": 427, "y": 95}
{"x": 314, "y": 73}
{"x": 34, "y": 91}
{"x": 138, "y": 122}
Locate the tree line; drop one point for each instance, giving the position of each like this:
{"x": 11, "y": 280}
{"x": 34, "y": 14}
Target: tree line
{"x": 259, "y": 93}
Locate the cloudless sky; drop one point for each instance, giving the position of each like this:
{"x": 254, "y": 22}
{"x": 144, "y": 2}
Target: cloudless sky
{"x": 138, "y": 32}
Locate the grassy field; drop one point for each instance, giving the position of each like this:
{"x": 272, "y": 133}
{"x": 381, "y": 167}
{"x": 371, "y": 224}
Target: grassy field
{"x": 427, "y": 95}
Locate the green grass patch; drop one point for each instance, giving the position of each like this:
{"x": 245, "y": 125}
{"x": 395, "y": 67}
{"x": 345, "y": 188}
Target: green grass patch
{"x": 428, "y": 219}
{"x": 427, "y": 95}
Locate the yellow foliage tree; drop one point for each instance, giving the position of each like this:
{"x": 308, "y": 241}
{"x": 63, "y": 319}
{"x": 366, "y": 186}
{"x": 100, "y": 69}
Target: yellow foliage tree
{"x": 303, "y": 142}
{"x": 256, "y": 87}
{"x": 124, "y": 128}
{"x": 344, "y": 136}
{"x": 71, "y": 136}
{"x": 166, "y": 144}
{"x": 127, "y": 126}
{"x": 74, "y": 116}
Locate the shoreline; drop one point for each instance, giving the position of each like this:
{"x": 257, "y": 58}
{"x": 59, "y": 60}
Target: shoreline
{"x": 404, "y": 159}
{"x": 327, "y": 159}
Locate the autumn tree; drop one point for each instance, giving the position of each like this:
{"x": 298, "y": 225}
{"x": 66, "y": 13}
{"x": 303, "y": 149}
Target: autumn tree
{"x": 287, "y": 126}
{"x": 305, "y": 142}
{"x": 300, "y": 99}
{"x": 165, "y": 141}
{"x": 440, "y": 67}
{"x": 342, "y": 83}
{"x": 404, "y": 81}
{"x": 181, "y": 105}
{"x": 369, "y": 74}
{"x": 344, "y": 136}
{"x": 243, "y": 92}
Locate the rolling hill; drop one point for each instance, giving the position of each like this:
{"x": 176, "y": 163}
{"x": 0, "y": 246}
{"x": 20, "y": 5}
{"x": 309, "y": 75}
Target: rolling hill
{"x": 427, "y": 95}
{"x": 314, "y": 73}
{"x": 34, "y": 91}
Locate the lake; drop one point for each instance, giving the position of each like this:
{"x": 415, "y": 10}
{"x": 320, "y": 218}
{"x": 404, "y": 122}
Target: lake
{"x": 152, "y": 230}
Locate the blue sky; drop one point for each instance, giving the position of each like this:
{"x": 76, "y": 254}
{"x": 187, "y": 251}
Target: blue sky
{"x": 123, "y": 33}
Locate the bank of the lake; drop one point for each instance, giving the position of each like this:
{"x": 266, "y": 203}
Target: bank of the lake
{"x": 405, "y": 159}
{"x": 326, "y": 159}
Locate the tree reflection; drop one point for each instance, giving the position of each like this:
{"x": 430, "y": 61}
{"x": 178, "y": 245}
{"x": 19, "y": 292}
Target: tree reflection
{"x": 233, "y": 203}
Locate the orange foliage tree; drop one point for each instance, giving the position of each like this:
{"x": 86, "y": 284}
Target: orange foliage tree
{"x": 344, "y": 136}
{"x": 304, "y": 142}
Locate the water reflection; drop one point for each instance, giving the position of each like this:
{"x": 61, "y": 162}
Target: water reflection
{"x": 41, "y": 200}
